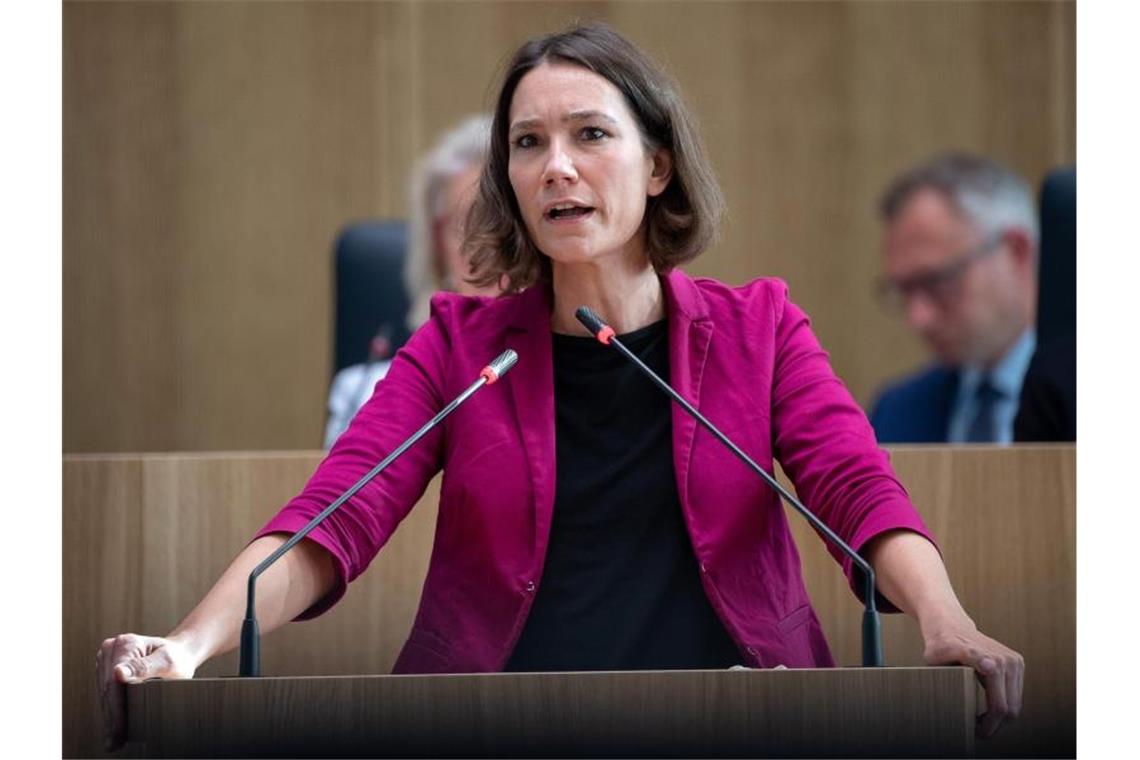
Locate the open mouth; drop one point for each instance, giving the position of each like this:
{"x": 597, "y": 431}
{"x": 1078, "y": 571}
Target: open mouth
{"x": 568, "y": 212}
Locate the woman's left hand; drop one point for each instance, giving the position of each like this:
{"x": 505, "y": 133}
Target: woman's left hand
{"x": 1001, "y": 670}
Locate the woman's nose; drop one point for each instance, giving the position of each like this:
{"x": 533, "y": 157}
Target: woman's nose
{"x": 559, "y": 166}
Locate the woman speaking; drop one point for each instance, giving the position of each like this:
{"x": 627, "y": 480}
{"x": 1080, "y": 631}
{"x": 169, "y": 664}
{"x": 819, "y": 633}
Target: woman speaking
{"x": 584, "y": 523}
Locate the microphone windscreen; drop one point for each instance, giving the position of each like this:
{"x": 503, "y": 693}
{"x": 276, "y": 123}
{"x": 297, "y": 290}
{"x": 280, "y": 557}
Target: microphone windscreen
{"x": 592, "y": 321}
{"x": 504, "y": 362}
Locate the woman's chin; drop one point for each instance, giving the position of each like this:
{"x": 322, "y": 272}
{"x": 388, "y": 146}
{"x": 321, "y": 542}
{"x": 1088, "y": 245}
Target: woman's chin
{"x": 572, "y": 254}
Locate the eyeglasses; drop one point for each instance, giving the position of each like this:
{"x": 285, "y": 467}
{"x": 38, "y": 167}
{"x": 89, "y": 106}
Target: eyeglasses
{"x": 942, "y": 286}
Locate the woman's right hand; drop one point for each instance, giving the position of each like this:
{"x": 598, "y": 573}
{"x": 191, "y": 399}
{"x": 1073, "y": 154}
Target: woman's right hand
{"x": 299, "y": 580}
{"x": 129, "y": 658}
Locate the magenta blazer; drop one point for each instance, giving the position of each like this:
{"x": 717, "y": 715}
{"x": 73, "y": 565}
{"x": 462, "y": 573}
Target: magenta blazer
{"x": 745, "y": 356}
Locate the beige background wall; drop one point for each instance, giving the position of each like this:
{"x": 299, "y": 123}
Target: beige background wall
{"x": 213, "y": 150}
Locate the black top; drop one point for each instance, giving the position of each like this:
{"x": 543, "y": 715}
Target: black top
{"x": 620, "y": 589}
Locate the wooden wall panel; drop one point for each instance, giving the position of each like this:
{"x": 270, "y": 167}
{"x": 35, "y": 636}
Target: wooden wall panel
{"x": 1005, "y": 520}
{"x": 102, "y": 578}
{"x": 263, "y": 95}
{"x": 119, "y": 270}
{"x": 213, "y": 150}
{"x": 145, "y": 537}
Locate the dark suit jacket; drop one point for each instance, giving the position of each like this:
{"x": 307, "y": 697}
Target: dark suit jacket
{"x": 917, "y": 408}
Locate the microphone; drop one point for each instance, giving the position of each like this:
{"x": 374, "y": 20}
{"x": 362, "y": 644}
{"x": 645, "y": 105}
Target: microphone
{"x": 250, "y": 664}
{"x": 872, "y": 628}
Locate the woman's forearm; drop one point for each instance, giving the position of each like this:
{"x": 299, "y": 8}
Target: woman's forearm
{"x": 300, "y": 578}
{"x": 909, "y": 572}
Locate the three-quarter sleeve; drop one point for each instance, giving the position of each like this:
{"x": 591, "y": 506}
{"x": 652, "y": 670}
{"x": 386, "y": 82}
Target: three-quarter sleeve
{"x": 822, "y": 439}
{"x": 408, "y": 396}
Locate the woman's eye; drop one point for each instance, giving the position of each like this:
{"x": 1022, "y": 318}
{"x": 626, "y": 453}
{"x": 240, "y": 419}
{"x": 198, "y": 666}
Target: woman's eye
{"x": 526, "y": 141}
{"x": 593, "y": 133}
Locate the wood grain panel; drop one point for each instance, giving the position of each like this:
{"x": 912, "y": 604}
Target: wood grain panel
{"x": 119, "y": 151}
{"x": 263, "y": 94}
{"x": 145, "y": 537}
{"x": 1005, "y": 520}
{"x": 102, "y": 568}
{"x": 212, "y": 150}
{"x": 208, "y": 171}
{"x": 896, "y": 712}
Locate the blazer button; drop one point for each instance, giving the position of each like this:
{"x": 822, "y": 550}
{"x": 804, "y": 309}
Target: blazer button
{"x": 530, "y": 587}
{"x": 752, "y": 651}
{"x": 704, "y": 568}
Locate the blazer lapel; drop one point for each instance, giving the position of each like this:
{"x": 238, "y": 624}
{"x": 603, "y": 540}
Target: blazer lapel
{"x": 690, "y": 331}
{"x": 532, "y": 389}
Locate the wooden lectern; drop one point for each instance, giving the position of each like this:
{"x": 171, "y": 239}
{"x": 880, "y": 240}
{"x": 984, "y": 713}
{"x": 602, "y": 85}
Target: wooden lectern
{"x": 145, "y": 537}
{"x": 840, "y": 712}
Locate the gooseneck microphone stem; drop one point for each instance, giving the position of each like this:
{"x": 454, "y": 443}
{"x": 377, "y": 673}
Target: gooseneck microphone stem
{"x": 250, "y": 664}
{"x": 872, "y": 629}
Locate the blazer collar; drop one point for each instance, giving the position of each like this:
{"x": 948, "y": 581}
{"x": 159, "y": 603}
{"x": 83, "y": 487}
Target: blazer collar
{"x": 690, "y": 332}
{"x": 532, "y": 388}
{"x": 683, "y": 298}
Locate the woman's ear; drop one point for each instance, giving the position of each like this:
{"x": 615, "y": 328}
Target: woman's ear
{"x": 661, "y": 171}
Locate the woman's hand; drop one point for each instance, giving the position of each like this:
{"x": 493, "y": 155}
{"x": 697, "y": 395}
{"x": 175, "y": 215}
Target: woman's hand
{"x": 129, "y": 658}
{"x": 299, "y": 580}
{"x": 1001, "y": 670}
{"x": 911, "y": 574}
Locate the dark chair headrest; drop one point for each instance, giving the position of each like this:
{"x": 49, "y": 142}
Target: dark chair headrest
{"x": 370, "y": 294}
{"x": 1057, "y": 303}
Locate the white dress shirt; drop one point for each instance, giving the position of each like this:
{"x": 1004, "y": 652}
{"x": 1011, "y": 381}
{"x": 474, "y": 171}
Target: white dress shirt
{"x": 351, "y": 387}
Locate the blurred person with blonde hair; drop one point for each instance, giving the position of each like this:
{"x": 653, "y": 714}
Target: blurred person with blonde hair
{"x": 444, "y": 183}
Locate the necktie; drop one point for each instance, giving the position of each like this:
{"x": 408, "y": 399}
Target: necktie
{"x": 984, "y": 428}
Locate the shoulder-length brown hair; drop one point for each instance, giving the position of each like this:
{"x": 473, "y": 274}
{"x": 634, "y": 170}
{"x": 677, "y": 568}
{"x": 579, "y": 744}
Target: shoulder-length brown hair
{"x": 680, "y": 223}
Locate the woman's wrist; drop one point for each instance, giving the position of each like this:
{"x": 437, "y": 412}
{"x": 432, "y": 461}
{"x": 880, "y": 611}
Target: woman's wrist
{"x": 936, "y": 619}
{"x": 193, "y": 644}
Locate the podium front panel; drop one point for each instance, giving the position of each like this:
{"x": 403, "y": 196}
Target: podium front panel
{"x": 855, "y": 712}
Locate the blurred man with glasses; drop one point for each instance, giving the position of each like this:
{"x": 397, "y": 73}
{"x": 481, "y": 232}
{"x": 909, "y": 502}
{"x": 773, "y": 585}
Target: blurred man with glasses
{"x": 959, "y": 265}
